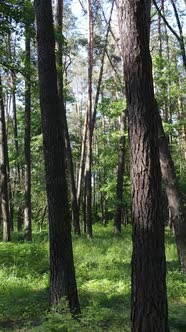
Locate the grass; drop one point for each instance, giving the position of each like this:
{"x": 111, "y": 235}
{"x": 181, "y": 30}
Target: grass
{"x": 103, "y": 277}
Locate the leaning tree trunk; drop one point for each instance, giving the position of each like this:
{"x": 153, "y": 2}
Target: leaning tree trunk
{"x": 175, "y": 200}
{"x": 59, "y": 62}
{"x": 62, "y": 272}
{"x": 149, "y": 301}
{"x": 3, "y": 175}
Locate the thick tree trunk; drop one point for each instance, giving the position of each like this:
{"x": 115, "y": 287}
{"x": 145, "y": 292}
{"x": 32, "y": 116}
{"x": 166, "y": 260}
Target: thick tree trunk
{"x": 59, "y": 55}
{"x": 175, "y": 200}
{"x": 4, "y": 176}
{"x": 149, "y": 301}
{"x": 62, "y": 273}
{"x": 120, "y": 174}
{"x": 27, "y": 208}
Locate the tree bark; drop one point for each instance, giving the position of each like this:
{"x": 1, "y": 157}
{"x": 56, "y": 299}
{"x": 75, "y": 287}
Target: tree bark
{"x": 4, "y": 175}
{"x": 175, "y": 199}
{"x": 62, "y": 272}
{"x": 149, "y": 301}
{"x": 27, "y": 208}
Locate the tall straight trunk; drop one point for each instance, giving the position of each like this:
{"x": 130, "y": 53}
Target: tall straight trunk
{"x": 59, "y": 62}
{"x": 82, "y": 158}
{"x": 182, "y": 128}
{"x": 14, "y": 109}
{"x": 27, "y": 208}
{"x": 175, "y": 199}
{"x": 149, "y": 301}
{"x": 15, "y": 131}
{"x": 62, "y": 272}
{"x": 120, "y": 174}
{"x": 17, "y": 175}
{"x": 16, "y": 144}
{"x": 4, "y": 176}
{"x": 88, "y": 185}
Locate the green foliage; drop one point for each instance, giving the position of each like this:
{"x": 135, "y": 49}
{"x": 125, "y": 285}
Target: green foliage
{"x": 103, "y": 277}
{"x": 59, "y": 319}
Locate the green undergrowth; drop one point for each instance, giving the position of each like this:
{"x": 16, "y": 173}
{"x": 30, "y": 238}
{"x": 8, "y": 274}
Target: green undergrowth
{"x": 103, "y": 278}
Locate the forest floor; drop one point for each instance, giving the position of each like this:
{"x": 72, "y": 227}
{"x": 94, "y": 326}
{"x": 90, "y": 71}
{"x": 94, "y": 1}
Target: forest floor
{"x": 103, "y": 277}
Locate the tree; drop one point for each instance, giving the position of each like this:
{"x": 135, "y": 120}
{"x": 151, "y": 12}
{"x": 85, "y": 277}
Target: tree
{"x": 27, "y": 209}
{"x": 59, "y": 63}
{"x": 149, "y": 301}
{"x": 120, "y": 174}
{"x": 62, "y": 273}
{"x": 174, "y": 196}
{"x": 179, "y": 36}
{"x": 4, "y": 174}
{"x": 88, "y": 186}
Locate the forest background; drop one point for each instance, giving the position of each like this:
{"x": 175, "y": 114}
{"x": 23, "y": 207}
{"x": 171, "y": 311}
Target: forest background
{"x": 24, "y": 211}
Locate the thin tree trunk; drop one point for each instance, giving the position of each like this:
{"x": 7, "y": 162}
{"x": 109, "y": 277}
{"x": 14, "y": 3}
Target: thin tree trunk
{"x": 175, "y": 200}
{"x": 82, "y": 160}
{"x": 88, "y": 184}
{"x": 15, "y": 129}
{"x": 181, "y": 40}
{"x": 14, "y": 108}
{"x": 120, "y": 174}
{"x": 59, "y": 57}
{"x": 101, "y": 70}
{"x": 149, "y": 301}
{"x": 4, "y": 175}
{"x": 179, "y": 37}
{"x": 62, "y": 272}
{"x": 27, "y": 209}
{"x": 15, "y": 133}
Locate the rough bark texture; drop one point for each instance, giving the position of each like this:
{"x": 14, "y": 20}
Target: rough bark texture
{"x": 27, "y": 209}
{"x": 175, "y": 200}
{"x": 62, "y": 273}
{"x": 149, "y": 302}
{"x": 120, "y": 174}
{"x": 3, "y": 171}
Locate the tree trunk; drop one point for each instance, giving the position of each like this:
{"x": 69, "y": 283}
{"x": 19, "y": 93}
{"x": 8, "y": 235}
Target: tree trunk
{"x": 4, "y": 176}
{"x": 88, "y": 184}
{"x": 59, "y": 62}
{"x": 149, "y": 301}
{"x": 14, "y": 108}
{"x": 27, "y": 209}
{"x": 120, "y": 174}
{"x": 175, "y": 200}
{"x": 62, "y": 272}
{"x": 82, "y": 161}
